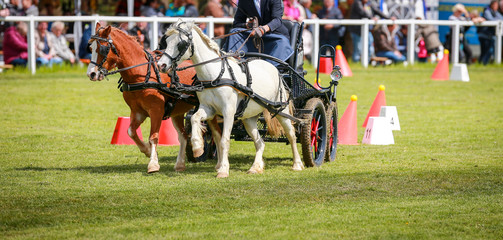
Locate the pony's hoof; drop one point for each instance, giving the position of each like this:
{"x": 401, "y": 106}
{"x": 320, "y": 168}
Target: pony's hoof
{"x": 255, "y": 171}
{"x": 298, "y": 167}
{"x": 152, "y": 168}
{"x": 222, "y": 175}
{"x": 180, "y": 168}
{"x": 198, "y": 152}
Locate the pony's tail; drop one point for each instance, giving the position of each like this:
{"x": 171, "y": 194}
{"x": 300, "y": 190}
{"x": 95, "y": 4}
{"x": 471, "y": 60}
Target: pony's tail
{"x": 274, "y": 128}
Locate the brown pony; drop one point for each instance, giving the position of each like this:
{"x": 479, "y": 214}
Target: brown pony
{"x": 112, "y": 48}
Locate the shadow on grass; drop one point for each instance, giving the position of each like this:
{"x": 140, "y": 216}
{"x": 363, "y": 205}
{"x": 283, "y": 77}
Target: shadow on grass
{"x": 237, "y": 162}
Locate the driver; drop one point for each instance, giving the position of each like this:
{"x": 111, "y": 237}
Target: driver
{"x": 262, "y": 18}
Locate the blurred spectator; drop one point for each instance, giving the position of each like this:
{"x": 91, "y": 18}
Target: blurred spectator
{"x": 86, "y": 35}
{"x": 141, "y": 32}
{"x": 121, "y": 8}
{"x": 460, "y": 14}
{"x": 292, "y": 10}
{"x": 329, "y": 33}
{"x": 44, "y": 50}
{"x": 29, "y": 8}
{"x": 230, "y": 7}
{"x": 307, "y": 34}
{"x": 15, "y": 46}
{"x": 176, "y": 9}
{"x": 191, "y": 9}
{"x": 401, "y": 39}
{"x": 487, "y": 34}
{"x": 214, "y": 8}
{"x": 59, "y": 42}
{"x": 362, "y": 9}
{"x": 385, "y": 43}
{"x": 430, "y": 36}
{"x": 9, "y": 9}
{"x": 150, "y": 8}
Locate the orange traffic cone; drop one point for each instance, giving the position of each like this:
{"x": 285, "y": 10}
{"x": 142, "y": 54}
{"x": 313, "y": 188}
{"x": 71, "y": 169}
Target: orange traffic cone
{"x": 326, "y": 65}
{"x": 120, "y": 136}
{"x": 347, "y": 131}
{"x": 379, "y": 101}
{"x": 340, "y": 60}
{"x": 167, "y": 134}
{"x": 441, "y": 72}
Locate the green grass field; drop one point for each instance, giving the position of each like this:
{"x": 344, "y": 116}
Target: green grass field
{"x": 442, "y": 179}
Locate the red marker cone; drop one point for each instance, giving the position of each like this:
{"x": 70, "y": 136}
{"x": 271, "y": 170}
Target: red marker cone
{"x": 167, "y": 134}
{"x": 379, "y": 101}
{"x": 347, "y": 131}
{"x": 340, "y": 60}
{"x": 326, "y": 65}
{"x": 120, "y": 136}
{"x": 441, "y": 72}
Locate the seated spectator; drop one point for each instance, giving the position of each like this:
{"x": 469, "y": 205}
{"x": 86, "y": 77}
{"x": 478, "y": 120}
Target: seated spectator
{"x": 329, "y": 33}
{"x": 401, "y": 39}
{"x": 292, "y": 10}
{"x": 59, "y": 42}
{"x": 430, "y": 36}
{"x": 141, "y": 32}
{"x": 44, "y": 50}
{"x": 487, "y": 34}
{"x": 15, "y": 46}
{"x": 363, "y": 9}
{"x": 385, "y": 43}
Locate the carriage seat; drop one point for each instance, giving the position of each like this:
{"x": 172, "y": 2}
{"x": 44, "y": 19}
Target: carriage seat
{"x": 295, "y": 33}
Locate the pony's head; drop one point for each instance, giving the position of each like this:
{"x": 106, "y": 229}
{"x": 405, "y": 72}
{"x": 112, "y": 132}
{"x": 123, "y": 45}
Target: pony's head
{"x": 104, "y": 55}
{"x": 179, "y": 45}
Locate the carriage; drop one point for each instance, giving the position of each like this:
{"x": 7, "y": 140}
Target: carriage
{"x": 314, "y": 105}
{"x": 312, "y": 108}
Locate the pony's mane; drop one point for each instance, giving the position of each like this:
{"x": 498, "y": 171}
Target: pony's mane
{"x": 120, "y": 32}
{"x": 210, "y": 43}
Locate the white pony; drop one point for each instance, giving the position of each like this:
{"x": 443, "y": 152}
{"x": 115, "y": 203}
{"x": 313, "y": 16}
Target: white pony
{"x": 185, "y": 40}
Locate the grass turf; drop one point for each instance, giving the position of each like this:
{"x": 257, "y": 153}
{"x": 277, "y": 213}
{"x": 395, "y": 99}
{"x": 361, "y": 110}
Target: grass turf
{"x": 61, "y": 178}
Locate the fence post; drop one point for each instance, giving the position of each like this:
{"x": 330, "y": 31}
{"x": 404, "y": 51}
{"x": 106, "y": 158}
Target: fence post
{"x": 316, "y": 44}
{"x": 455, "y": 44}
{"x": 365, "y": 44}
{"x": 32, "y": 62}
{"x": 411, "y": 40}
{"x": 155, "y": 33}
{"x": 497, "y": 48}
{"x": 211, "y": 27}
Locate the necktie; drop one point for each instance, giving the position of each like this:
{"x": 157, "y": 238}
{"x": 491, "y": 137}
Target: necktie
{"x": 257, "y": 4}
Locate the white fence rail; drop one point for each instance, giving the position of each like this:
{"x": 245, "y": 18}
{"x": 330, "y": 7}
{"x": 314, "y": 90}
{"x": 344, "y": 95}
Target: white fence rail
{"x": 365, "y": 23}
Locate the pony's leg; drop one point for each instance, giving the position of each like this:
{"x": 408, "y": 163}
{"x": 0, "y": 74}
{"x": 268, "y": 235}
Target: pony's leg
{"x": 136, "y": 120}
{"x": 228, "y": 115}
{"x": 216, "y": 133}
{"x": 182, "y": 138}
{"x": 197, "y": 141}
{"x": 155, "y": 121}
{"x": 290, "y": 134}
{"x": 251, "y": 128}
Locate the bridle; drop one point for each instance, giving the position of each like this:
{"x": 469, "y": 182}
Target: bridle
{"x": 182, "y": 46}
{"x": 103, "y": 50}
